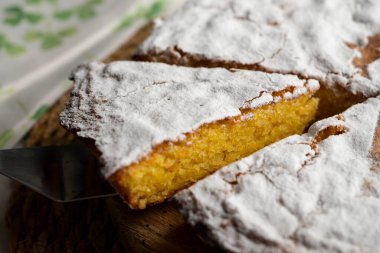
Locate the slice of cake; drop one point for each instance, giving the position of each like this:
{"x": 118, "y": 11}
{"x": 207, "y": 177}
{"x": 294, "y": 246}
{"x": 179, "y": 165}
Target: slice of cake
{"x": 318, "y": 192}
{"x": 159, "y": 128}
{"x": 336, "y": 42}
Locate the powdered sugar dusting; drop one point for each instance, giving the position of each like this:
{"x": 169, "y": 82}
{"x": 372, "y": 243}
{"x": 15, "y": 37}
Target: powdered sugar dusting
{"x": 307, "y": 37}
{"x": 296, "y": 195}
{"x": 129, "y": 107}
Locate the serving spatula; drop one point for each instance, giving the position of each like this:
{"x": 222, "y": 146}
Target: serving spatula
{"x": 62, "y": 173}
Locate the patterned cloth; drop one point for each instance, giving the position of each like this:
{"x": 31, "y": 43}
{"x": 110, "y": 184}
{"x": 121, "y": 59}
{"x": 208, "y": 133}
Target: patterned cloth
{"x": 42, "y": 40}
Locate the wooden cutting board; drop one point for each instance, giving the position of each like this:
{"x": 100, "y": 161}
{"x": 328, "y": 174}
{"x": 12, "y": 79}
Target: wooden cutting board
{"x": 37, "y": 224}
{"x": 157, "y": 229}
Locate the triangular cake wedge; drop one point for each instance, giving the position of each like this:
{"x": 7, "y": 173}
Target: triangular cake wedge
{"x": 317, "y": 192}
{"x": 336, "y": 42}
{"x": 159, "y": 128}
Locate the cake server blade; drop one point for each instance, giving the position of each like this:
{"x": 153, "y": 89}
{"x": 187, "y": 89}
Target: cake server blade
{"x": 62, "y": 173}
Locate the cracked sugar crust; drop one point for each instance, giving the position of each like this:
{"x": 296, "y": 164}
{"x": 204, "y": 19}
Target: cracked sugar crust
{"x": 316, "y": 192}
{"x": 129, "y": 107}
{"x": 312, "y": 38}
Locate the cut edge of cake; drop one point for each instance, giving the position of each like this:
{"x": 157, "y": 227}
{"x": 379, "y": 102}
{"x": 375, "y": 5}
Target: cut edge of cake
{"x": 92, "y": 104}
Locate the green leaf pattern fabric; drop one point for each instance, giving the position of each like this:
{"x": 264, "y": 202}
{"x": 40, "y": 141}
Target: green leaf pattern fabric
{"x": 41, "y": 41}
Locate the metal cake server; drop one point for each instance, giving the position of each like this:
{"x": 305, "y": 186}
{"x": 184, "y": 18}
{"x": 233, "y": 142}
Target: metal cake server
{"x": 63, "y": 174}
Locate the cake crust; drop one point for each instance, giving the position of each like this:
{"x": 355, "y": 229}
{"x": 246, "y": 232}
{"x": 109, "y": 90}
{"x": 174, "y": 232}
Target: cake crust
{"x": 336, "y": 42}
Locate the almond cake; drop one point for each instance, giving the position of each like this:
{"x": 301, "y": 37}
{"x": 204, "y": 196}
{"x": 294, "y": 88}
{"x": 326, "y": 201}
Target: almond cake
{"x": 159, "y": 128}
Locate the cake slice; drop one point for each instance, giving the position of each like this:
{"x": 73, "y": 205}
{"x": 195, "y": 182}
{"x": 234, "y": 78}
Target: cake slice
{"x": 159, "y": 128}
{"x": 336, "y": 42}
{"x": 317, "y": 192}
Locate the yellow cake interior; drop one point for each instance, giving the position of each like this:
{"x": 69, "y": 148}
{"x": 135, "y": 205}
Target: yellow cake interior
{"x": 172, "y": 166}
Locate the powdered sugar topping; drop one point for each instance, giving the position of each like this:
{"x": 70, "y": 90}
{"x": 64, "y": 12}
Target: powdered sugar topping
{"x": 308, "y": 37}
{"x": 129, "y": 107}
{"x": 296, "y": 195}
